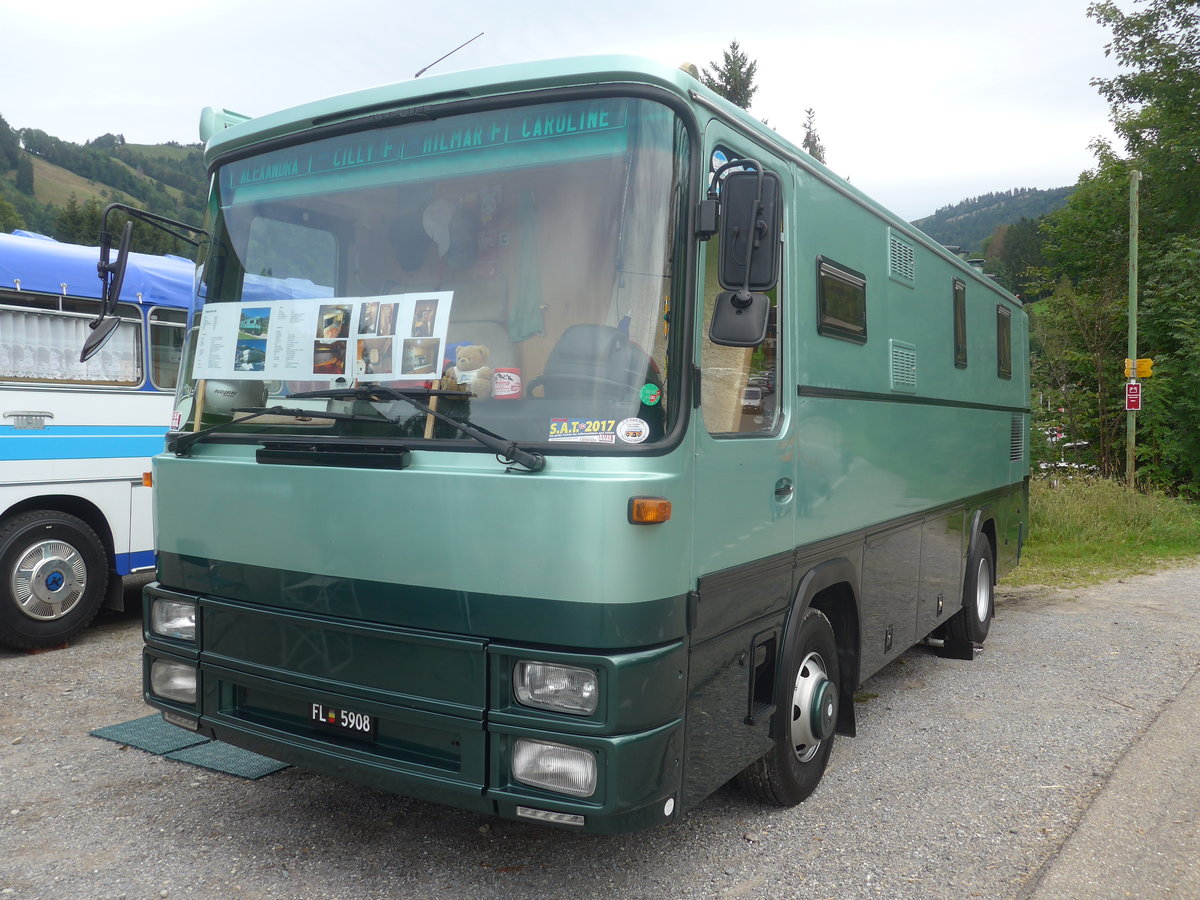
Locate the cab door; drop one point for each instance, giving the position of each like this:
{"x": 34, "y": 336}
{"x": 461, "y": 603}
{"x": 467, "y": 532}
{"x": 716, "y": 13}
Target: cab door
{"x": 745, "y": 508}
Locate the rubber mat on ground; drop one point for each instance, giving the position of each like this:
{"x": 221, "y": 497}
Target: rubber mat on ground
{"x": 152, "y": 734}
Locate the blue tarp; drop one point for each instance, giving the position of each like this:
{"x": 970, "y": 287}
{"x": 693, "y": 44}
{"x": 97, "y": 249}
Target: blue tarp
{"x": 42, "y": 264}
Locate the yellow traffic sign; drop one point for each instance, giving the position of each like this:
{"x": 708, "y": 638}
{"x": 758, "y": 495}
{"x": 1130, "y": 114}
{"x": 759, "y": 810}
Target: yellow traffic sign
{"x": 1144, "y": 368}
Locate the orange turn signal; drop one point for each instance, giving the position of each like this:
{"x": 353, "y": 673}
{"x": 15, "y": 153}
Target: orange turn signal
{"x": 147, "y": 479}
{"x": 649, "y": 510}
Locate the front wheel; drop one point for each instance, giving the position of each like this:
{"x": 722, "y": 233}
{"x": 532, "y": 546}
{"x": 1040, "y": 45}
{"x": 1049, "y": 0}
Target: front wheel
{"x": 53, "y": 573}
{"x": 807, "y": 701}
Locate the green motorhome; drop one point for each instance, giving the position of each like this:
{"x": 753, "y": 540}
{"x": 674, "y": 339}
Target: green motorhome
{"x": 555, "y": 441}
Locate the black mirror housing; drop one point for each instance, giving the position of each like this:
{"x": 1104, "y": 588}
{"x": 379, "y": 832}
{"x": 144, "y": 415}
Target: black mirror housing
{"x": 740, "y": 319}
{"x": 751, "y": 221}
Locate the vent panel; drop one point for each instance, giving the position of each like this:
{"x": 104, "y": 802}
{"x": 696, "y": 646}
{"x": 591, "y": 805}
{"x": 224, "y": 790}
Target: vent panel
{"x": 904, "y": 367}
{"x": 902, "y": 259}
{"x": 1016, "y": 451}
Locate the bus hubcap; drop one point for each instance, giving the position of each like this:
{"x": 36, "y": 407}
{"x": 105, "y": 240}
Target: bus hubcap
{"x": 48, "y": 580}
{"x": 814, "y": 707}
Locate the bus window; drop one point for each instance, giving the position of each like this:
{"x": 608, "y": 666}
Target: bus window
{"x": 166, "y": 344}
{"x": 1003, "y": 342}
{"x": 737, "y": 389}
{"x": 42, "y": 345}
{"x": 960, "y": 323}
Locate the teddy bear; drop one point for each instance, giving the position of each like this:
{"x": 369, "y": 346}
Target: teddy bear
{"x": 470, "y": 371}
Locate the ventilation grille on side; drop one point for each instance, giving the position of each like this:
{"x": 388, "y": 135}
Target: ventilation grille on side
{"x": 1016, "y": 449}
{"x": 904, "y": 367}
{"x": 902, "y": 259}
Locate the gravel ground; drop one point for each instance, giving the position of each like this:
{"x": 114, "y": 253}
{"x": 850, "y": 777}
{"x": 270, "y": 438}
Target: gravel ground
{"x": 965, "y": 779}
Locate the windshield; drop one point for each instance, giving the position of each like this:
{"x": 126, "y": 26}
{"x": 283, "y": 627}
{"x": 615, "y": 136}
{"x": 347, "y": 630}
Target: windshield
{"x": 518, "y": 263}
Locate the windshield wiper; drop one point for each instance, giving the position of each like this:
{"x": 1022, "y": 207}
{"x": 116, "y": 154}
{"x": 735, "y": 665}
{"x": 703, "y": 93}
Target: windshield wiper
{"x": 507, "y": 451}
{"x": 180, "y": 443}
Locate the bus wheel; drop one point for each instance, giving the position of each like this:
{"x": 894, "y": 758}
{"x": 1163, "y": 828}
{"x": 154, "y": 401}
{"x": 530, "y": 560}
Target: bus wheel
{"x": 972, "y": 622}
{"x": 53, "y": 572}
{"x": 808, "y": 705}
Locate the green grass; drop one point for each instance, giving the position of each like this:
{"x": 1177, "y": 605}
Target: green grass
{"x": 1084, "y": 531}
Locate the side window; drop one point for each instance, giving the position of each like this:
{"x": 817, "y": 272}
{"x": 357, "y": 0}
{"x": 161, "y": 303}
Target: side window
{"x": 42, "y": 345}
{"x": 960, "y": 324}
{"x": 841, "y": 302}
{"x": 166, "y": 344}
{"x": 1003, "y": 342}
{"x": 738, "y": 384}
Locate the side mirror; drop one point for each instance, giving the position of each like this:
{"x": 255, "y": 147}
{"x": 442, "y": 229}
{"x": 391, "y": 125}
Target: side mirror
{"x": 112, "y": 275}
{"x": 740, "y": 319}
{"x": 751, "y": 211}
{"x": 750, "y": 250}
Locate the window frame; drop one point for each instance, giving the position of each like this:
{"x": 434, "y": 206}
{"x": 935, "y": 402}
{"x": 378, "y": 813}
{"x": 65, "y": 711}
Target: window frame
{"x": 1003, "y": 342}
{"x": 960, "y": 323}
{"x": 839, "y": 328}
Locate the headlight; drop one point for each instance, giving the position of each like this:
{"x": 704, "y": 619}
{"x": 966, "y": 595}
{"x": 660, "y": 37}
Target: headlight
{"x": 560, "y": 688}
{"x": 173, "y": 619}
{"x": 173, "y": 681}
{"x": 568, "y": 770}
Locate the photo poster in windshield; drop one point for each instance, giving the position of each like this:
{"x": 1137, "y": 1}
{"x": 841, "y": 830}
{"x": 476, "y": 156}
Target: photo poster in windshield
{"x": 399, "y": 337}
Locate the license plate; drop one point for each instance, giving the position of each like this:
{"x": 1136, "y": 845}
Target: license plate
{"x": 344, "y": 721}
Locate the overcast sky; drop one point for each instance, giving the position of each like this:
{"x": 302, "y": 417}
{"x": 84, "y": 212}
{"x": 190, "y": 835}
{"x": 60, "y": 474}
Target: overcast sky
{"x": 920, "y": 103}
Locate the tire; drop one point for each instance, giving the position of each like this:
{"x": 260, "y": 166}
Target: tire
{"x": 807, "y": 697}
{"x": 974, "y": 620}
{"x": 53, "y": 575}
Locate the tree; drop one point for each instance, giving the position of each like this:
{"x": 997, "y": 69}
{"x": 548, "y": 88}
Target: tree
{"x": 25, "y": 174}
{"x": 1154, "y": 103}
{"x": 734, "y": 78}
{"x": 10, "y": 219}
{"x": 812, "y": 141}
{"x": 10, "y": 146}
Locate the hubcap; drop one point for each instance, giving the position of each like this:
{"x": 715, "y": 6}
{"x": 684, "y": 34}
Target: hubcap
{"x": 983, "y": 591}
{"x": 48, "y": 580}
{"x": 814, "y": 707}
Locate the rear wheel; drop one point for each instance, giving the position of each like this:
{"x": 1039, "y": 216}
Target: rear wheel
{"x": 974, "y": 620}
{"x": 807, "y": 701}
{"x": 53, "y": 573}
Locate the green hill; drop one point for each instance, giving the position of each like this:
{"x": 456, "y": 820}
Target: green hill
{"x": 969, "y": 223}
{"x": 58, "y": 188}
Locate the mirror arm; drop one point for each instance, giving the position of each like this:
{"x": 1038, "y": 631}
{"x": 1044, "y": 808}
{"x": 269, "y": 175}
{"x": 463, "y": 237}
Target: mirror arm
{"x": 173, "y": 227}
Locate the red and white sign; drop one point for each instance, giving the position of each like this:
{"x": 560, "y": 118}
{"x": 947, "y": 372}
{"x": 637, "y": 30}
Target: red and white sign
{"x": 1133, "y": 397}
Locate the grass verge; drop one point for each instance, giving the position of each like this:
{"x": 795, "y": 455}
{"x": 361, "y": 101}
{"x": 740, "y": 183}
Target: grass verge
{"x": 1084, "y": 531}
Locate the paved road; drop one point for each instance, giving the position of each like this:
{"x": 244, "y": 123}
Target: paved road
{"x": 1057, "y": 764}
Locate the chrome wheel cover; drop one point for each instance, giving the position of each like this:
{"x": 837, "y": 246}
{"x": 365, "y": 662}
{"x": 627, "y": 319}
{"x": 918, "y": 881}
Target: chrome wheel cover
{"x": 983, "y": 590}
{"x": 48, "y": 580}
{"x": 814, "y": 708}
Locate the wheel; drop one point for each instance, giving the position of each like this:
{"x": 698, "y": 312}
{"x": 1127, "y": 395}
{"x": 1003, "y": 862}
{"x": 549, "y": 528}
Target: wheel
{"x": 972, "y": 622}
{"x": 807, "y": 701}
{"x": 53, "y": 574}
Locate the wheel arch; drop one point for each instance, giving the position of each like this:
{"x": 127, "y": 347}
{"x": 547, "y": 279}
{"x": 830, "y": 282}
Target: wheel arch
{"x": 78, "y": 507}
{"x": 832, "y": 588}
{"x": 983, "y": 527}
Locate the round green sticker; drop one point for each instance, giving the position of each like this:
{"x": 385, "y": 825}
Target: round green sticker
{"x": 651, "y": 394}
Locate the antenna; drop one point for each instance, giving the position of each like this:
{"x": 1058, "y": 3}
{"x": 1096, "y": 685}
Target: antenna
{"x": 421, "y": 72}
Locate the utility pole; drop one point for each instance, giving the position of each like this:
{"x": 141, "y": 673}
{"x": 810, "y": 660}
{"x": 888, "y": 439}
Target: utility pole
{"x": 1130, "y": 414}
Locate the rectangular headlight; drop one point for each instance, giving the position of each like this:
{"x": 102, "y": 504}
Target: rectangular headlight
{"x": 173, "y": 619}
{"x": 173, "y": 681}
{"x": 560, "y": 688}
{"x": 567, "y": 770}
